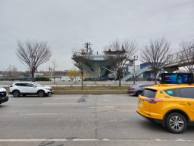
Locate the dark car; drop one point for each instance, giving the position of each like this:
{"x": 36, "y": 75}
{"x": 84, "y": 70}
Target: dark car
{"x": 137, "y": 89}
{"x": 3, "y": 95}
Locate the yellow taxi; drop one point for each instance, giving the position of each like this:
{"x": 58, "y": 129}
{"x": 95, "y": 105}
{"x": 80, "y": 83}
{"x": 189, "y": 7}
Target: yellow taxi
{"x": 170, "y": 105}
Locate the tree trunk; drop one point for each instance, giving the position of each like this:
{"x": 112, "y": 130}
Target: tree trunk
{"x": 119, "y": 80}
{"x": 32, "y": 76}
{"x": 82, "y": 74}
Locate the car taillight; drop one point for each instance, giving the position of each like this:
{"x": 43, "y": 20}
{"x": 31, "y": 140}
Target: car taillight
{"x": 10, "y": 86}
{"x": 132, "y": 88}
{"x": 153, "y": 100}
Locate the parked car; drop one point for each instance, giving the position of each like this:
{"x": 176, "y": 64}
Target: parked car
{"x": 170, "y": 105}
{"x": 137, "y": 89}
{"x": 3, "y": 95}
{"x": 29, "y": 88}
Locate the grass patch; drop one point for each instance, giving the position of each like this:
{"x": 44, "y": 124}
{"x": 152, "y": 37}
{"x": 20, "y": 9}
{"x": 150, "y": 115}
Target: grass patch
{"x": 91, "y": 88}
{"x": 7, "y": 88}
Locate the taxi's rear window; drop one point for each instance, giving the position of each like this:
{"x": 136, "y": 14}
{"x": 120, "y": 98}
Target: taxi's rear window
{"x": 150, "y": 93}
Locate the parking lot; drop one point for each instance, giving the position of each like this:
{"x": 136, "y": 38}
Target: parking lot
{"x": 68, "y": 120}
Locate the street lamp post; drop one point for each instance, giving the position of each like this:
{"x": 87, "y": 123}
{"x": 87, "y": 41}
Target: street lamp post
{"x": 135, "y": 58}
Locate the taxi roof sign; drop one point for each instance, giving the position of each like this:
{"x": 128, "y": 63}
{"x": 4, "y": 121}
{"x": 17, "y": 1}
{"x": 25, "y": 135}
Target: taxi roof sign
{"x": 177, "y": 78}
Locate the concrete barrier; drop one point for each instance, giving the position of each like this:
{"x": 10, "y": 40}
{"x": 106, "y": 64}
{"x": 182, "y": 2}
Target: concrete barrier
{"x": 90, "y": 92}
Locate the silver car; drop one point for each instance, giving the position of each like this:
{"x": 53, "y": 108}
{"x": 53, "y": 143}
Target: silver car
{"x": 137, "y": 89}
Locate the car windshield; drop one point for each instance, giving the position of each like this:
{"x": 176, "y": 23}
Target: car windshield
{"x": 38, "y": 85}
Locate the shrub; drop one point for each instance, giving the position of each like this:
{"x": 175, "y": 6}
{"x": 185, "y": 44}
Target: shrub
{"x": 42, "y": 79}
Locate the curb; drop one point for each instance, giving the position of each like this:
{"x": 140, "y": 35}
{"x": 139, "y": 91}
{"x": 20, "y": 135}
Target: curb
{"x": 61, "y": 92}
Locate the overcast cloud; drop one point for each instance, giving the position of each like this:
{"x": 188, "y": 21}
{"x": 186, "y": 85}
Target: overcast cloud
{"x": 68, "y": 24}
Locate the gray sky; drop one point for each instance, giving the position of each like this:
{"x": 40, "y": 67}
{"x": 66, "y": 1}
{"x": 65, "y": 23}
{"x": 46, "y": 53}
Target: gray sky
{"x": 67, "y": 24}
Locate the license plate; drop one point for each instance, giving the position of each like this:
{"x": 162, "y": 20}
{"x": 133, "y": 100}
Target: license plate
{"x": 141, "y": 101}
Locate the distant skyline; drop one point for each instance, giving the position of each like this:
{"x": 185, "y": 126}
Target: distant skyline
{"x": 67, "y": 24}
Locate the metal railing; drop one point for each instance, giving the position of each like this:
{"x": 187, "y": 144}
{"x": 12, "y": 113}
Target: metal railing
{"x": 179, "y": 56}
{"x": 137, "y": 73}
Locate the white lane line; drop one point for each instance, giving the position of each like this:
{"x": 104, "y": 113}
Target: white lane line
{"x": 87, "y": 140}
{"x": 105, "y": 139}
{"x": 181, "y": 140}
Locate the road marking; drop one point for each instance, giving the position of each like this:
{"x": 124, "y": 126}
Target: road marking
{"x": 105, "y": 139}
{"x": 181, "y": 140}
{"x": 87, "y": 140}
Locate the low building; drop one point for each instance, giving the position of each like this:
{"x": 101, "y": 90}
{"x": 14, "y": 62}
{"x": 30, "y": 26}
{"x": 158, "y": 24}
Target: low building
{"x": 38, "y": 75}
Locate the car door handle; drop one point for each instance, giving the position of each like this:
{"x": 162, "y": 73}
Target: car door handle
{"x": 190, "y": 103}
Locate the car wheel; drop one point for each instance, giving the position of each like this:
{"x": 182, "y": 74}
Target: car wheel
{"x": 138, "y": 93}
{"x": 176, "y": 123}
{"x": 41, "y": 93}
{"x": 16, "y": 93}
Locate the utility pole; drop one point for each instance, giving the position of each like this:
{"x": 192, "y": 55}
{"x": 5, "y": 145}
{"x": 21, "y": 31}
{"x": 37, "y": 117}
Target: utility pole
{"x": 135, "y": 58}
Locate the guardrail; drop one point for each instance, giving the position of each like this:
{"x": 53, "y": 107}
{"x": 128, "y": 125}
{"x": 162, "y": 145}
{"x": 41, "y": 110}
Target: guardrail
{"x": 137, "y": 73}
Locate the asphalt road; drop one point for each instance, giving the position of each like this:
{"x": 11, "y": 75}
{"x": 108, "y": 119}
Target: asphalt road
{"x": 84, "y": 120}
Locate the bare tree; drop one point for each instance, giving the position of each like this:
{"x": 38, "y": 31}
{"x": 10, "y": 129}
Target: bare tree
{"x": 54, "y": 68}
{"x": 156, "y": 54}
{"x": 9, "y": 72}
{"x": 118, "y": 54}
{"x": 186, "y": 55}
{"x": 12, "y": 72}
{"x": 33, "y": 54}
{"x": 81, "y": 60}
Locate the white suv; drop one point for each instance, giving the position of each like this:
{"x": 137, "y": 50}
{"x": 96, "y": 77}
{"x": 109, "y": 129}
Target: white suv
{"x": 29, "y": 88}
